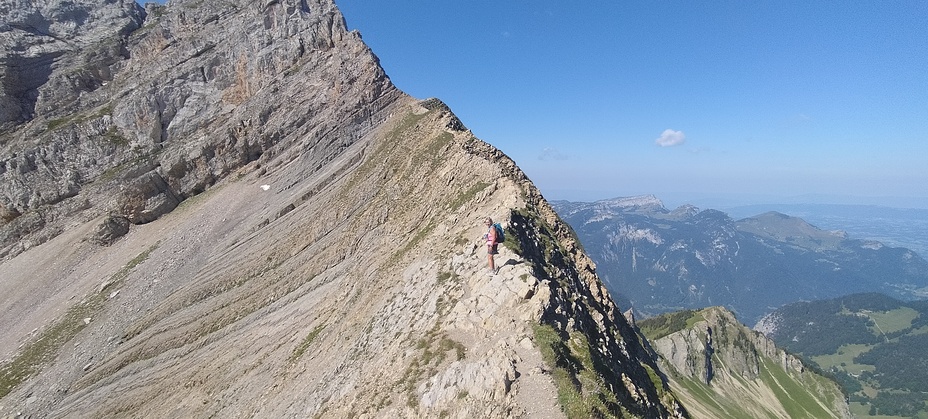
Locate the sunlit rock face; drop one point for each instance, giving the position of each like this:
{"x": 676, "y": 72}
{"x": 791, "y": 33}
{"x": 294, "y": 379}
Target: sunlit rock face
{"x": 226, "y": 208}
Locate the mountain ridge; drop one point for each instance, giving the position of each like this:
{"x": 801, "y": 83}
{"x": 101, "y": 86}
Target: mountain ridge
{"x": 658, "y": 260}
{"x": 259, "y": 223}
{"x": 708, "y": 354}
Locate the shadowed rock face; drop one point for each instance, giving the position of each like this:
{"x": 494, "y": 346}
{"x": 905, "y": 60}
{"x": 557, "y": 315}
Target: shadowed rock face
{"x": 303, "y": 238}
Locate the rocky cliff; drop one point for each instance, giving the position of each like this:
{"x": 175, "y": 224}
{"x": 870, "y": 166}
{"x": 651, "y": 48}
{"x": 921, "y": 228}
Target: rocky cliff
{"x": 720, "y": 368}
{"x": 115, "y": 114}
{"x": 228, "y": 210}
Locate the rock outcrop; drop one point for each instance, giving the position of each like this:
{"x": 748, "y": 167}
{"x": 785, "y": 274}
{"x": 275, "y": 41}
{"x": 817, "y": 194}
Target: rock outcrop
{"x": 194, "y": 93}
{"x": 303, "y": 238}
{"x": 55, "y": 51}
{"x": 720, "y": 368}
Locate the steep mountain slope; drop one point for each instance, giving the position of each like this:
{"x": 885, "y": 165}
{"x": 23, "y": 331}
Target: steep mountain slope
{"x": 874, "y": 344}
{"x": 721, "y": 369}
{"x": 194, "y": 93}
{"x": 255, "y": 223}
{"x": 661, "y": 260}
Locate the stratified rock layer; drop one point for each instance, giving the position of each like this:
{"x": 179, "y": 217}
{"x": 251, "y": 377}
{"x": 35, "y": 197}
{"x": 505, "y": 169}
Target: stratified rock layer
{"x": 720, "y": 368}
{"x": 304, "y": 240}
{"x": 194, "y": 94}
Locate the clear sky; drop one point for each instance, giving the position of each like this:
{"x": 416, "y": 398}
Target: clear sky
{"x": 681, "y": 99}
{"x": 722, "y": 102}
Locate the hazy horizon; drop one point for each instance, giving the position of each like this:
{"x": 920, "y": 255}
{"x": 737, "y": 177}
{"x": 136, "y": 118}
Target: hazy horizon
{"x": 672, "y": 200}
{"x": 713, "y": 102}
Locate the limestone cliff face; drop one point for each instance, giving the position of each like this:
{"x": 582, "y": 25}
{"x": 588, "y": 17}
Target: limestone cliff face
{"x": 242, "y": 217}
{"x": 57, "y": 50}
{"x": 720, "y": 368}
{"x": 721, "y": 339}
{"x": 120, "y": 115}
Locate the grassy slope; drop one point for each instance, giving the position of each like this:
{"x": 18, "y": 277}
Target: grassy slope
{"x": 776, "y": 393}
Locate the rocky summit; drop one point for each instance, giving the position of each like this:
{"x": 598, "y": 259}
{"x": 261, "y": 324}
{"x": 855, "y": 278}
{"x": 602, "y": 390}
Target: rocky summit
{"x": 228, "y": 210}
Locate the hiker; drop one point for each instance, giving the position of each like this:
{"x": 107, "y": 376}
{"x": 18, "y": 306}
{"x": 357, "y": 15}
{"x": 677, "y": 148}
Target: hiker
{"x": 491, "y": 244}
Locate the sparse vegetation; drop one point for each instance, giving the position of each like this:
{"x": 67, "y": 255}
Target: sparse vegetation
{"x": 78, "y": 118}
{"x": 435, "y": 347}
{"x": 582, "y": 393}
{"x": 659, "y": 326}
{"x": 420, "y": 235}
{"x": 512, "y": 242}
{"x": 467, "y": 195}
{"x": 445, "y": 276}
{"x": 59, "y": 122}
{"x": 461, "y": 241}
{"x": 308, "y": 340}
{"x": 112, "y": 172}
{"x": 112, "y": 135}
{"x": 46, "y": 346}
{"x": 433, "y": 150}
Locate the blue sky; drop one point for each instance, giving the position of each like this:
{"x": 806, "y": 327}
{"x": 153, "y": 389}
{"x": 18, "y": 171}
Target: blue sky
{"x": 758, "y": 101}
{"x": 714, "y": 103}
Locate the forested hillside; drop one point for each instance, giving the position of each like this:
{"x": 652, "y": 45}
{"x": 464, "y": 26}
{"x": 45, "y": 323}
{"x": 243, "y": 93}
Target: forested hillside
{"x": 873, "y": 344}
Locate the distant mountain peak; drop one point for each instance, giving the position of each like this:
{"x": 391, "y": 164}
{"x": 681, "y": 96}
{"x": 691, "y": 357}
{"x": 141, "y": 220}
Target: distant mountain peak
{"x": 685, "y": 211}
{"x": 631, "y": 202}
{"x": 660, "y": 261}
{"x": 785, "y": 228}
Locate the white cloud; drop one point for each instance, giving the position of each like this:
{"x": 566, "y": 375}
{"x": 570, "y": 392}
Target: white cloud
{"x": 549, "y": 153}
{"x": 670, "y": 138}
